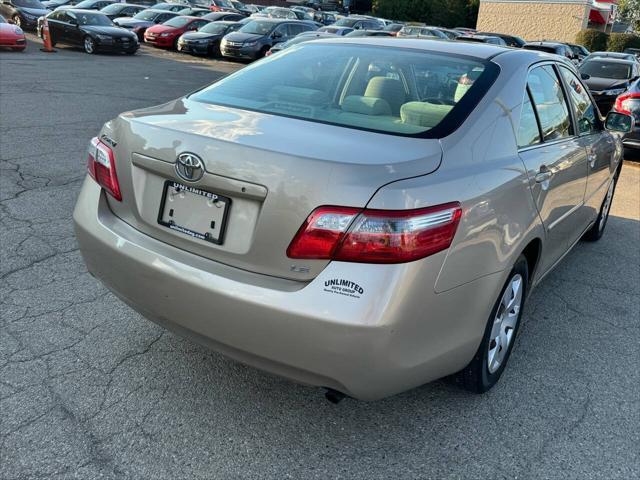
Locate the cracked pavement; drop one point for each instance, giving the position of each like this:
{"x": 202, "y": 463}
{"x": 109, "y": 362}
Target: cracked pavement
{"x": 89, "y": 389}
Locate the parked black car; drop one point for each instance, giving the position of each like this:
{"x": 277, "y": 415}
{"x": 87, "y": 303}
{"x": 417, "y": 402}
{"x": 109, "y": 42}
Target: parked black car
{"x": 629, "y": 103}
{"x": 607, "y": 78}
{"x": 255, "y": 38}
{"x": 552, "y": 47}
{"x": 510, "y": 40}
{"x": 119, "y": 10}
{"x": 23, "y": 13}
{"x": 206, "y": 41}
{"x": 92, "y": 30}
{"x": 139, "y": 23}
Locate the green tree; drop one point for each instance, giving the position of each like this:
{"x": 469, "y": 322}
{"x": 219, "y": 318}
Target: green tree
{"x": 629, "y": 11}
{"x": 444, "y": 13}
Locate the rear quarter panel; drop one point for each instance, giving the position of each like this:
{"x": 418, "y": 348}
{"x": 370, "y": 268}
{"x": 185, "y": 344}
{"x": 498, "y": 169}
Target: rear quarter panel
{"x": 480, "y": 169}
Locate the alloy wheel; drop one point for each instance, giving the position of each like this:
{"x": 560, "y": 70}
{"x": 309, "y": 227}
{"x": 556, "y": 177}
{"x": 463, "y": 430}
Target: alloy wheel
{"x": 17, "y": 21}
{"x": 88, "y": 45}
{"x": 505, "y": 323}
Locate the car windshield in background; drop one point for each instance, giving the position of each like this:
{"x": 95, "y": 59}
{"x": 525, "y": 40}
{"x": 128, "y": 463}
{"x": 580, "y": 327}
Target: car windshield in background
{"x": 541, "y": 48}
{"x": 615, "y": 71}
{"x": 257, "y": 27}
{"x": 346, "y": 22}
{"x": 113, "y": 8}
{"x": 389, "y": 90}
{"x": 85, "y": 4}
{"x": 214, "y": 28}
{"x": 93, "y": 19}
{"x": 29, "y": 4}
{"x": 222, "y": 3}
{"x": 146, "y": 15}
{"x": 177, "y": 22}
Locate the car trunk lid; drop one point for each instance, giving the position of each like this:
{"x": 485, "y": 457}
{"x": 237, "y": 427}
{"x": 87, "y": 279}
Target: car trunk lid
{"x": 270, "y": 172}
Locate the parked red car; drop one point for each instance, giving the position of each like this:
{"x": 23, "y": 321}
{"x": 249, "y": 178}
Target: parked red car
{"x": 166, "y": 34}
{"x": 11, "y": 36}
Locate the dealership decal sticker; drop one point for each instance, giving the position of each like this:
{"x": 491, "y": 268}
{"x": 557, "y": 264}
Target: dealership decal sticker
{"x": 344, "y": 287}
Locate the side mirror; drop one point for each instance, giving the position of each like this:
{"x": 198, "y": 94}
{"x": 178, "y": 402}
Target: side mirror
{"x": 276, "y": 35}
{"x": 619, "y": 122}
{"x": 585, "y": 76}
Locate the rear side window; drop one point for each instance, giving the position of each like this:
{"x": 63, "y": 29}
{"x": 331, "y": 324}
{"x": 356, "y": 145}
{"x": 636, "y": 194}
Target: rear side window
{"x": 581, "y": 103}
{"x": 550, "y": 103}
{"x": 528, "y": 132}
{"x": 390, "y": 90}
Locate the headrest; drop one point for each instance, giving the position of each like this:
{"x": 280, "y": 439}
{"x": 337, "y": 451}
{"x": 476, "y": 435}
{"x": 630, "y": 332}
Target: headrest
{"x": 423, "y": 114}
{"x": 366, "y": 105}
{"x": 307, "y": 96}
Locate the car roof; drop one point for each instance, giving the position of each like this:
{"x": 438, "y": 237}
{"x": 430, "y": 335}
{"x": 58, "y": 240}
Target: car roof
{"x": 483, "y": 51}
{"x": 619, "y": 61}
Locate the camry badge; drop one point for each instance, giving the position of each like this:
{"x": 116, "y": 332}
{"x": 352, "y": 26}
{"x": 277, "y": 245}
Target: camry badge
{"x": 189, "y": 167}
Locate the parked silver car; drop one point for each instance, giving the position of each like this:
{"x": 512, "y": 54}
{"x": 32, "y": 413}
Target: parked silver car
{"x": 362, "y": 215}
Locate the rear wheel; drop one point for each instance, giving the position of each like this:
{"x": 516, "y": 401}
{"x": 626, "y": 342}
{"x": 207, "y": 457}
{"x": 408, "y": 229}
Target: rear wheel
{"x": 595, "y": 232}
{"x": 17, "y": 21}
{"x": 89, "y": 45}
{"x": 490, "y": 360}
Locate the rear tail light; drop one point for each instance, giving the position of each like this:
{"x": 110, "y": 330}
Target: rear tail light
{"x": 375, "y": 236}
{"x": 624, "y": 101}
{"x": 101, "y": 165}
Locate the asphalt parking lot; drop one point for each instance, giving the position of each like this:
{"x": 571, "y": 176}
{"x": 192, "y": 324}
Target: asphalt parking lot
{"x": 89, "y": 389}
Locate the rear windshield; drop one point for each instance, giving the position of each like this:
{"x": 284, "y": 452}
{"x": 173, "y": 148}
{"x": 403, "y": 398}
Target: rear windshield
{"x": 615, "y": 71}
{"x": 390, "y": 90}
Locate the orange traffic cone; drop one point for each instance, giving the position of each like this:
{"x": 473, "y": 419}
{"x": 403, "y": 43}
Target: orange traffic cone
{"x": 46, "y": 37}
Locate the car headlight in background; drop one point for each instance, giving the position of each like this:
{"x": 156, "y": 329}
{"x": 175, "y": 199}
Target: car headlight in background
{"x": 250, "y": 44}
{"x": 19, "y": 31}
{"x": 104, "y": 38}
{"x": 29, "y": 17}
{"x": 165, "y": 34}
{"x": 614, "y": 91}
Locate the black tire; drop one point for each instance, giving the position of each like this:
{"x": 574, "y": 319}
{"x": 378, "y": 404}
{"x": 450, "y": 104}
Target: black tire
{"x": 263, "y": 52}
{"x": 476, "y": 377}
{"x": 597, "y": 229}
{"x": 130, "y": 52}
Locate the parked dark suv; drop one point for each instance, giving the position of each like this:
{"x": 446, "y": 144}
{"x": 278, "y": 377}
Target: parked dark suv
{"x": 255, "y": 39}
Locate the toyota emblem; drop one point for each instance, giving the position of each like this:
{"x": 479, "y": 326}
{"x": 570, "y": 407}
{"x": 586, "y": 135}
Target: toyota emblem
{"x": 189, "y": 167}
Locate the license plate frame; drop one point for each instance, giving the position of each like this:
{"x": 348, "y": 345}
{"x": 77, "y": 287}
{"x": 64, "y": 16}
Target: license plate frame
{"x": 219, "y": 240}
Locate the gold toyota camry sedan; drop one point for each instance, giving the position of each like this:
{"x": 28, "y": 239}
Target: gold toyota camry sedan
{"x": 364, "y": 215}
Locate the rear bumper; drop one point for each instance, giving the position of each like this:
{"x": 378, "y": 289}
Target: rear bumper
{"x": 393, "y": 335}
